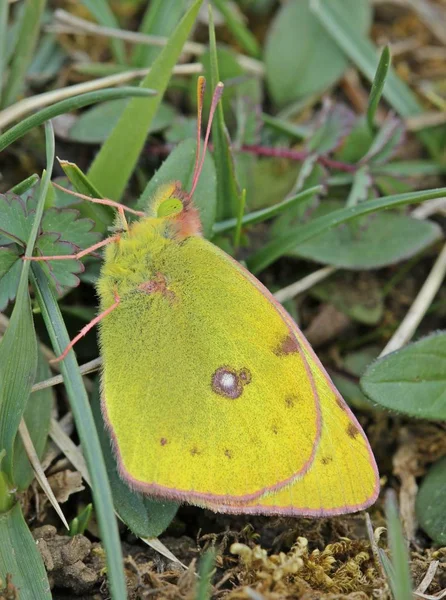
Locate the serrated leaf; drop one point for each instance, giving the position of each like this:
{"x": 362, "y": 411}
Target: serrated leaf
{"x": 430, "y": 502}
{"x": 62, "y": 272}
{"x": 411, "y": 380}
{"x": 179, "y": 166}
{"x": 70, "y": 227}
{"x": 10, "y": 268}
{"x": 300, "y": 58}
{"x": 374, "y": 241}
{"x": 16, "y": 220}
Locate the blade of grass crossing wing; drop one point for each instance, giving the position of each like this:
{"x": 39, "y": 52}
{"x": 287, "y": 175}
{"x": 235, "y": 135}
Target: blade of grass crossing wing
{"x": 18, "y": 347}
{"x": 24, "y": 50}
{"x": 87, "y": 433}
{"x": 115, "y": 162}
{"x": 103, "y": 14}
{"x": 363, "y": 53}
{"x": 280, "y": 246}
{"x": 378, "y": 86}
{"x": 228, "y": 201}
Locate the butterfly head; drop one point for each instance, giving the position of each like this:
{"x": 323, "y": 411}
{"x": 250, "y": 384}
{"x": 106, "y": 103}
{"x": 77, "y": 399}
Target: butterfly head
{"x": 173, "y": 203}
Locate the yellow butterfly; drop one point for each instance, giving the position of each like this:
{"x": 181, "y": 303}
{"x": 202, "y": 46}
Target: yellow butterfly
{"x": 211, "y": 393}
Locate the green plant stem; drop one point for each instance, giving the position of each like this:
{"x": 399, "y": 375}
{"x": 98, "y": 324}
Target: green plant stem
{"x": 19, "y": 130}
{"x": 87, "y": 433}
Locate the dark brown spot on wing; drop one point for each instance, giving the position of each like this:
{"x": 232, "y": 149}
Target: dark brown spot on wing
{"x": 163, "y": 441}
{"x": 228, "y": 453}
{"x": 275, "y": 429}
{"x": 325, "y": 460}
{"x": 340, "y": 403}
{"x": 288, "y": 345}
{"x": 194, "y": 451}
{"x": 157, "y": 285}
{"x": 228, "y": 382}
{"x": 290, "y": 401}
{"x": 352, "y": 430}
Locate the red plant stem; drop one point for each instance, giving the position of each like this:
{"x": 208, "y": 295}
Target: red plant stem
{"x": 297, "y": 155}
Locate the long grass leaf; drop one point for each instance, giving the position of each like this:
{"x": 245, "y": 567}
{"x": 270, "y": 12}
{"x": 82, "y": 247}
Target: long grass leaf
{"x": 24, "y": 51}
{"x": 20, "y": 558}
{"x": 400, "y": 579}
{"x": 59, "y": 108}
{"x": 103, "y": 14}
{"x": 115, "y": 162}
{"x": 280, "y": 246}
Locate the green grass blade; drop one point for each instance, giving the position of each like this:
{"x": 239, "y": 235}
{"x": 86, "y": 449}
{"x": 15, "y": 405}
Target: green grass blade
{"x": 20, "y": 557}
{"x": 280, "y": 246}
{"x": 3, "y": 36}
{"x": 103, "y": 216}
{"x": 207, "y": 565}
{"x": 18, "y": 347}
{"x": 103, "y": 14}
{"x": 238, "y": 29}
{"x": 160, "y": 18}
{"x": 59, "y": 108}
{"x": 363, "y": 53}
{"x": 401, "y": 582}
{"x": 228, "y": 201}
{"x": 88, "y": 434}
{"x": 258, "y": 216}
{"x": 378, "y": 86}
{"x": 24, "y": 50}
{"x": 115, "y": 162}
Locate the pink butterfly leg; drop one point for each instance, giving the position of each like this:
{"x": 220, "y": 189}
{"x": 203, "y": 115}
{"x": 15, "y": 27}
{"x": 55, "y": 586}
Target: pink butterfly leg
{"x": 87, "y": 328}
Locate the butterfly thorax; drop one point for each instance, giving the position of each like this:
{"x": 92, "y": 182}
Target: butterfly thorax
{"x": 132, "y": 261}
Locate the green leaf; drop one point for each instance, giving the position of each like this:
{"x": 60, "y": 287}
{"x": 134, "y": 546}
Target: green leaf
{"x": 227, "y": 188}
{"x": 334, "y": 123}
{"x": 160, "y": 18}
{"x": 285, "y": 243}
{"x": 102, "y": 216}
{"x": 94, "y": 125}
{"x": 411, "y": 380}
{"x": 374, "y": 241}
{"x": 378, "y": 86}
{"x": 399, "y": 579}
{"x": 115, "y": 162}
{"x": 24, "y": 49}
{"x": 20, "y": 557}
{"x": 430, "y": 502}
{"x": 363, "y": 53}
{"x": 146, "y": 517}
{"x": 37, "y": 417}
{"x": 80, "y": 523}
{"x": 207, "y": 568}
{"x": 103, "y": 14}
{"x": 59, "y": 108}
{"x": 300, "y": 58}
{"x": 179, "y": 166}
{"x": 361, "y": 300}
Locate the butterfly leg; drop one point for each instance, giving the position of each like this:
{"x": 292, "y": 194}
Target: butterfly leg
{"x": 106, "y": 201}
{"x": 87, "y": 328}
{"x": 78, "y": 255}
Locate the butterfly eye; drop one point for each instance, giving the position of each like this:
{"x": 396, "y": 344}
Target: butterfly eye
{"x": 171, "y": 206}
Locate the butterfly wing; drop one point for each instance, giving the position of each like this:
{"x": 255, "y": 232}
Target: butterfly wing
{"x": 206, "y": 389}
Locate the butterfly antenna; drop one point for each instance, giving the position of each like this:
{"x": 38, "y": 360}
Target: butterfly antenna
{"x": 199, "y": 162}
{"x": 201, "y": 87}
